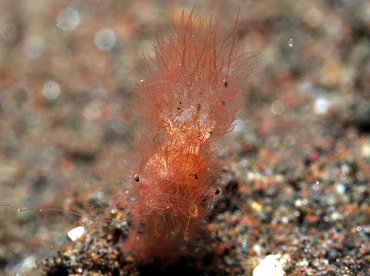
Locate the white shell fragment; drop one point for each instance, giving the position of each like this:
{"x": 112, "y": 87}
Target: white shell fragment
{"x": 76, "y": 233}
{"x": 269, "y": 266}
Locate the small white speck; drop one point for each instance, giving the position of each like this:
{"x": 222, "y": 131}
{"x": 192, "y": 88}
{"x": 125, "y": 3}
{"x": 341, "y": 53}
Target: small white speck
{"x": 335, "y": 216}
{"x": 290, "y": 42}
{"x": 298, "y": 203}
{"x": 76, "y": 233}
{"x": 341, "y": 188}
{"x": 321, "y": 106}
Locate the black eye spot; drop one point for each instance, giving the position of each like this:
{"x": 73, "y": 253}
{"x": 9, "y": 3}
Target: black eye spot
{"x": 225, "y": 83}
{"x": 194, "y": 175}
{"x": 136, "y": 177}
{"x": 218, "y": 191}
{"x": 223, "y": 102}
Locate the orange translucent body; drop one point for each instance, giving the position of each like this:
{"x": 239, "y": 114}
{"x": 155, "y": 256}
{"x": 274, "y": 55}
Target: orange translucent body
{"x": 189, "y": 98}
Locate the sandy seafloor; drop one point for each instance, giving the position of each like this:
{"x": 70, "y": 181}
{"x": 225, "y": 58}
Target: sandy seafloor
{"x": 295, "y": 172}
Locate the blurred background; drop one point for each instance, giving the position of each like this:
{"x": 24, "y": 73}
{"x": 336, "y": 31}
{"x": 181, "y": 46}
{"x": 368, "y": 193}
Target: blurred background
{"x": 68, "y": 71}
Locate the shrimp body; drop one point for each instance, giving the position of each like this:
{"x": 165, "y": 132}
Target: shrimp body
{"x": 190, "y": 97}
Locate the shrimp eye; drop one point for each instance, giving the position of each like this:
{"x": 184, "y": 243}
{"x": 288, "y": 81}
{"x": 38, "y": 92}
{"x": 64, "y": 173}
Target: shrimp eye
{"x": 136, "y": 177}
{"x": 225, "y": 83}
{"x": 218, "y": 191}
